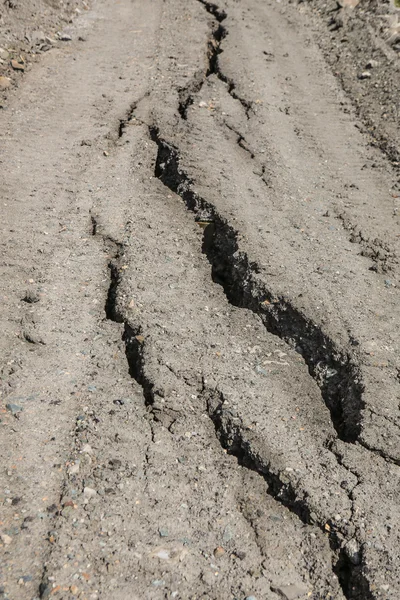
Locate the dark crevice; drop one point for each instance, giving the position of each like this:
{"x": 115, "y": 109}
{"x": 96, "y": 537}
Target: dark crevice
{"x": 351, "y": 578}
{"x": 247, "y": 105}
{"x": 186, "y": 95}
{"x": 334, "y": 371}
{"x": 134, "y": 350}
{"x": 219, "y": 32}
{"x": 230, "y": 437}
{"x": 241, "y": 142}
{"x": 110, "y": 307}
{"x": 128, "y": 117}
{"x": 218, "y": 13}
{"x": 94, "y": 225}
{"x": 132, "y": 338}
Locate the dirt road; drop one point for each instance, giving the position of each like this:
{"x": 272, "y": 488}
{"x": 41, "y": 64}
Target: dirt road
{"x": 200, "y": 316}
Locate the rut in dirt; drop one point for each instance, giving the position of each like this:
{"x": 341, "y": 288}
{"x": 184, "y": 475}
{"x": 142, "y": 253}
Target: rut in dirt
{"x": 135, "y": 346}
{"x": 334, "y": 370}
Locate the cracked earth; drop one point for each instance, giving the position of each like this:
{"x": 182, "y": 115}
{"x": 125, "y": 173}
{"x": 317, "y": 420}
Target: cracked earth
{"x": 200, "y": 316}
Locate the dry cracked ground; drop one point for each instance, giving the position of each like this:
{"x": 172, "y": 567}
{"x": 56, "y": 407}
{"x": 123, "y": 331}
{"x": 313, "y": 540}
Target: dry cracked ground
{"x": 200, "y": 314}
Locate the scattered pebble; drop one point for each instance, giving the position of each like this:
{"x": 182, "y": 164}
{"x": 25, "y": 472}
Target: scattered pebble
{"x": 163, "y": 532}
{"x": 5, "y": 83}
{"x": 291, "y": 591}
{"x": 14, "y": 408}
{"x": 219, "y": 551}
{"x": 17, "y": 66}
{"x": 364, "y": 75}
{"x": 89, "y": 493}
{"x": 228, "y": 534}
{"x": 352, "y": 550}
{"x": 31, "y": 297}
{"x": 6, "y": 539}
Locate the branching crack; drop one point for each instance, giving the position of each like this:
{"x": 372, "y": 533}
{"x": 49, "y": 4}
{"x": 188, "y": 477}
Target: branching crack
{"x": 382, "y": 257}
{"x": 334, "y": 371}
{"x": 219, "y": 32}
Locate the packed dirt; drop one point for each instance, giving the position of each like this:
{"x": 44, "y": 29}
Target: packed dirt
{"x": 200, "y": 269}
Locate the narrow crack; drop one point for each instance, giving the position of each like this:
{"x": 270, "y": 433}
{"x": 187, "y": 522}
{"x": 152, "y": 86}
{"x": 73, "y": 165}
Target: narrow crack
{"x": 133, "y": 339}
{"x": 333, "y": 370}
{"x": 129, "y": 115}
{"x": 241, "y": 141}
{"x": 346, "y": 566}
{"x": 230, "y": 437}
{"x": 218, "y": 33}
{"x": 126, "y": 119}
{"x": 378, "y": 251}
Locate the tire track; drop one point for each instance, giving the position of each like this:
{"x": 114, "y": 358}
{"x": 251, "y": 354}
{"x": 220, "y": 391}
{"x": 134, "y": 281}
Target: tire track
{"x": 382, "y": 257}
{"x": 336, "y": 371}
{"x": 138, "y": 351}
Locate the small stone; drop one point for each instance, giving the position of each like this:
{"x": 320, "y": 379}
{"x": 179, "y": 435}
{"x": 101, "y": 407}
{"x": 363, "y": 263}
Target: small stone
{"x": 6, "y": 539}
{"x": 364, "y": 75}
{"x": 260, "y": 370}
{"x": 17, "y": 66}
{"x": 352, "y": 550}
{"x": 4, "y": 54}
{"x": 250, "y": 598}
{"x": 74, "y": 590}
{"x": 163, "y": 532}
{"x": 74, "y": 469}
{"x": 5, "y": 83}
{"x": 292, "y": 591}
{"x": 89, "y": 493}
{"x": 219, "y": 551}
{"x": 228, "y": 534}
{"x": 87, "y": 449}
{"x": 31, "y": 297}
{"x": 372, "y": 64}
{"x": 64, "y": 37}
{"x": 67, "y": 512}
{"x": 202, "y": 104}
{"x": 14, "y": 408}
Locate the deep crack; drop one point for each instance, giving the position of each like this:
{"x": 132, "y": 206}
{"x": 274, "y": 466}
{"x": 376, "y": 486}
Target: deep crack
{"x": 334, "y": 371}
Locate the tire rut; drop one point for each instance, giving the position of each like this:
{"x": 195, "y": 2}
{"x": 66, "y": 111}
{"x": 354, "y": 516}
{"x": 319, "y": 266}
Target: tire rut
{"x": 136, "y": 351}
{"x": 382, "y": 257}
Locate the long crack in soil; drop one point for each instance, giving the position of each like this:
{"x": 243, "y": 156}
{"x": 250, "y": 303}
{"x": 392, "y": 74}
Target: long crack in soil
{"x": 337, "y": 376}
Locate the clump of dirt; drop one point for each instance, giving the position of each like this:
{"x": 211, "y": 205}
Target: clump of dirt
{"x": 27, "y": 29}
{"x": 361, "y": 41}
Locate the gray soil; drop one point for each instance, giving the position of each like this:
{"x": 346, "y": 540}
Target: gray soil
{"x": 200, "y": 317}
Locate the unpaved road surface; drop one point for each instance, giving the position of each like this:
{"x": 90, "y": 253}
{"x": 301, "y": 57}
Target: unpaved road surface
{"x": 200, "y": 316}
